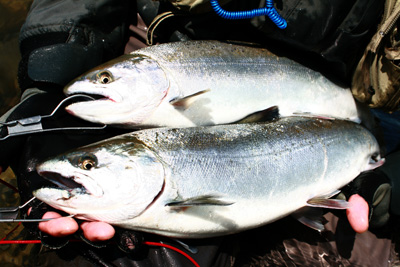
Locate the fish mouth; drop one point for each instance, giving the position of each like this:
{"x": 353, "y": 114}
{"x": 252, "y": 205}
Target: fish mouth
{"x": 94, "y": 96}
{"x": 64, "y": 183}
{"x": 97, "y": 92}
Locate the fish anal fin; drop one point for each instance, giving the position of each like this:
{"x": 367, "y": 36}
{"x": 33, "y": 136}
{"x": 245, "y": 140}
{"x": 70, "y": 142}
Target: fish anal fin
{"x": 206, "y": 200}
{"x": 265, "y": 115}
{"x": 310, "y": 217}
{"x": 185, "y": 102}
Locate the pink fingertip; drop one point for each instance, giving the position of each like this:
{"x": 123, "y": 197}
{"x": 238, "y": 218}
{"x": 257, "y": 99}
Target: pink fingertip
{"x": 97, "y": 231}
{"x": 60, "y": 226}
{"x": 357, "y": 213}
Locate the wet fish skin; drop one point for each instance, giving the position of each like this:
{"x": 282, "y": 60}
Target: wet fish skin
{"x": 198, "y": 83}
{"x": 241, "y": 176}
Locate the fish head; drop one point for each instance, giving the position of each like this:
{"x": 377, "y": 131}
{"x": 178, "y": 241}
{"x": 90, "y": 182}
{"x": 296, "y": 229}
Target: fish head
{"x": 127, "y": 90}
{"x": 110, "y": 181}
{"x": 371, "y": 150}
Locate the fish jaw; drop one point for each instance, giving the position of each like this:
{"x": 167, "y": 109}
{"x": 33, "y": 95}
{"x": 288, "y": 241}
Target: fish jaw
{"x": 69, "y": 185}
{"x": 114, "y": 188}
{"x": 111, "y": 108}
{"x": 135, "y": 88}
{"x": 104, "y": 111}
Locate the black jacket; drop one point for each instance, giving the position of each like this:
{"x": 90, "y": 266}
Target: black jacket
{"x": 63, "y": 38}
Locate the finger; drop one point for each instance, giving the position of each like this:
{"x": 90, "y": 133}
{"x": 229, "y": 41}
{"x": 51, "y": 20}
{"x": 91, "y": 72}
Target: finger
{"x": 97, "y": 231}
{"x": 357, "y": 214}
{"x": 60, "y": 227}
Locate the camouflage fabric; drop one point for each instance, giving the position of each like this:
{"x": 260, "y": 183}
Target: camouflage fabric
{"x": 195, "y": 6}
{"x": 376, "y": 79}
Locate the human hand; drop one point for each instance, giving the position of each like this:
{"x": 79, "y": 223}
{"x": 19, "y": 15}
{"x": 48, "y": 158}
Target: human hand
{"x": 23, "y": 152}
{"x": 358, "y": 213}
{"x": 64, "y": 226}
{"x": 369, "y": 195}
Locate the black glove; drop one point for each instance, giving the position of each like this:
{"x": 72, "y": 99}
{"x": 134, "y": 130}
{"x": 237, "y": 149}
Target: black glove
{"x": 60, "y": 132}
{"x": 374, "y": 186}
{"x": 57, "y": 48}
{"x": 391, "y": 169}
{"x": 130, "y": 249}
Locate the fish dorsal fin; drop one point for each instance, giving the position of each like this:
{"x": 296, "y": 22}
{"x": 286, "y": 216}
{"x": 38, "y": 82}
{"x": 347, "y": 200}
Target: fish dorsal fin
{"x": 269, "y": 114}
{"x": 206, "y": 200}
{"x": 185, "y": 102}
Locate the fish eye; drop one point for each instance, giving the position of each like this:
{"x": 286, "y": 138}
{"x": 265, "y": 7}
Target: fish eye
{"x": 375, "y": 157}
{"x": 87, "y": 163}
{"x": 104, "y": 77}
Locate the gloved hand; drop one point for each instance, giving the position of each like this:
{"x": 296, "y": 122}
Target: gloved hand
{"x": 65, "y": 226}
{"x": 373, "y": 186}
{"x": 23, "y": 152}
{"x": 391, "y": 169}
{"x": 29, "y": 149}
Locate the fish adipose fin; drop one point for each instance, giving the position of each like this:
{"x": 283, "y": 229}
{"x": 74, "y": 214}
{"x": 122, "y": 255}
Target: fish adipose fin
{"x": 184, "y": 103}
{"x": 265, "y": 115}
{"x": 207, "y": 200}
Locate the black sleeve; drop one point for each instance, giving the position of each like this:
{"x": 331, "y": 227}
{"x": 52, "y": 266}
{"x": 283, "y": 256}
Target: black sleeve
{"x": 329, "y": 36}
{"x": 335, "y": 33}
{"x": 62, "y": 39}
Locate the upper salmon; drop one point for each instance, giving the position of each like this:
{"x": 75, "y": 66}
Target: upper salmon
{"x": 196, "y": 83}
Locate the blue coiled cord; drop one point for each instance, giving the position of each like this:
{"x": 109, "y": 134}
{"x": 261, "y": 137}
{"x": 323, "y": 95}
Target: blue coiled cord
{"x": 269, "y": 10}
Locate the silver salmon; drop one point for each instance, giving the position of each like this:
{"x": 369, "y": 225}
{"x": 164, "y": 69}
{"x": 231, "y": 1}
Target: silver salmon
{"x": 199, "y": 83}
{"x": 208, "y": 181}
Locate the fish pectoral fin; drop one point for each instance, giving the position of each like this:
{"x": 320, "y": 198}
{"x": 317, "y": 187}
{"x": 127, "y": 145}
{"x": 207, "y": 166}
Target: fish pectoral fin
{"x": 310, "y": 217}
{"x": 184, "y": 103}
{"x": 269, "y": 114}
{"x": 207, "y": 200}
{"x": 330, "y": 203}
